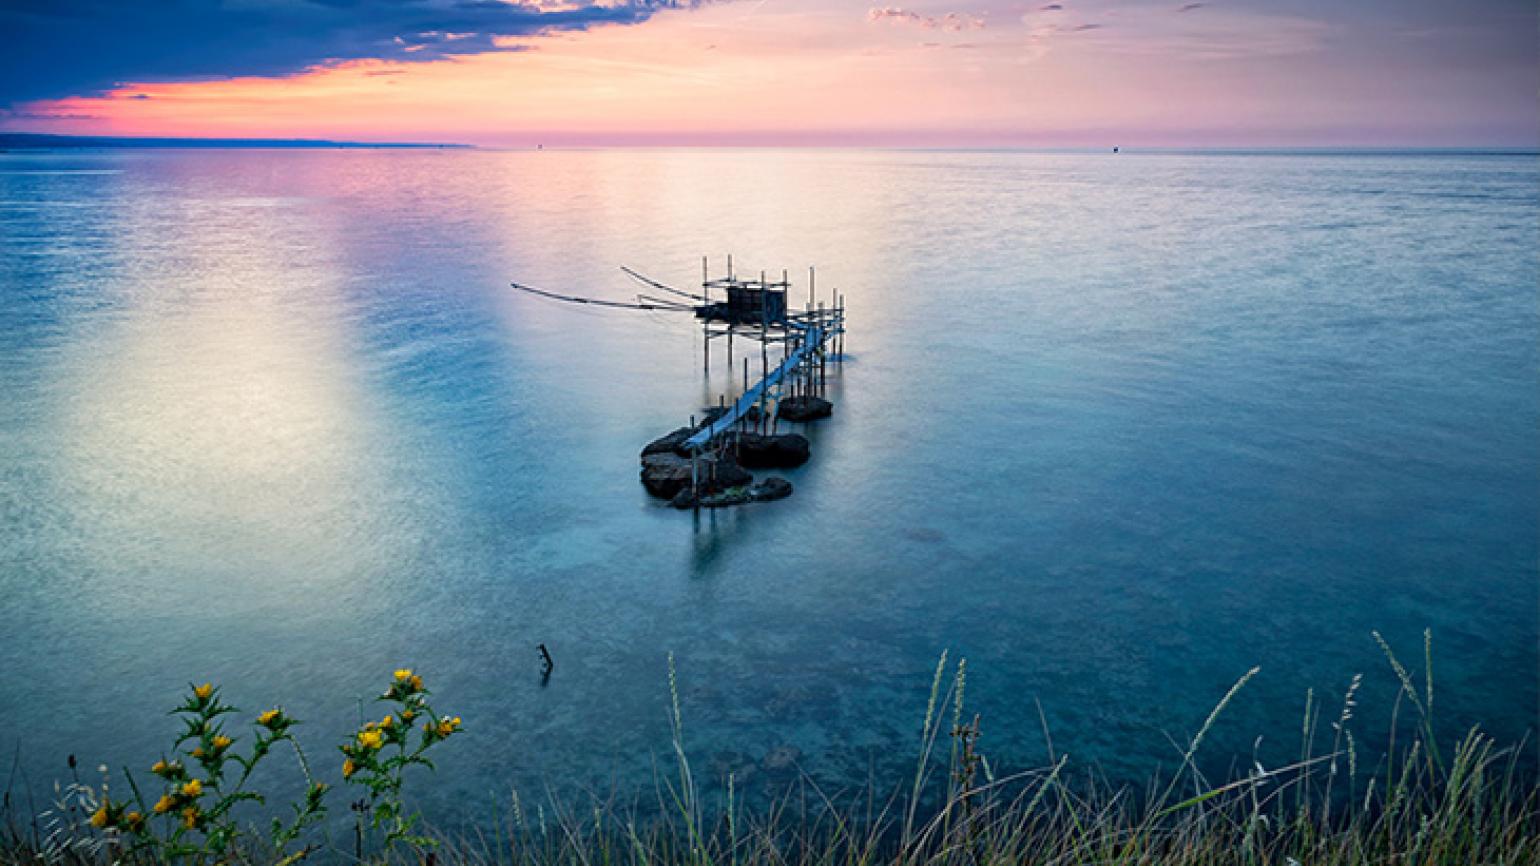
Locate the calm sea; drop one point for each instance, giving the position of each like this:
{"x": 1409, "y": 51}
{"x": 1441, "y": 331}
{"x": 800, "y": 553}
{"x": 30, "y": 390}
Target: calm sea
{"x": 1113, "y": 428}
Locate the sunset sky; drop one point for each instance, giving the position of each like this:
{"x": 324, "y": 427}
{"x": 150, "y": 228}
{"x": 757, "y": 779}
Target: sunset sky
{"x": 986, "y": 72}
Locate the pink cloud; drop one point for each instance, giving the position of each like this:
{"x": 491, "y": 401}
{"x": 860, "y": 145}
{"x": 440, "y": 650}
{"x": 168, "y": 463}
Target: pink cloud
{"x": 952, "y": 22}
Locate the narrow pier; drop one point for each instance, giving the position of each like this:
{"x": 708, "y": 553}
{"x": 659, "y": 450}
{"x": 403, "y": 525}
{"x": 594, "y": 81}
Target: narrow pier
{"x": 703, "y": 464}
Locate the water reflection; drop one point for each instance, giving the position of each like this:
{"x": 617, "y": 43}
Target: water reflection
{"x": 276, "y": 420}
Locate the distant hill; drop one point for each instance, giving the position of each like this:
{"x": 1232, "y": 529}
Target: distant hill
{"x": 34, "y": 141}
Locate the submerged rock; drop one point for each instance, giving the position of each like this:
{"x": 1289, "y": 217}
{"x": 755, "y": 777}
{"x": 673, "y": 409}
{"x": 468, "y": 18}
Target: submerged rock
{"x": 781, "y": 758}
{"x": 804, "y": 408}
{"x": 761, "y": 451}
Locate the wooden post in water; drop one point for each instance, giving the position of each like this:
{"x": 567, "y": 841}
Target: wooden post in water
{"x": 694, "y": 470}
{"x": 823, "y": 322}
{"x": 839, "y": 318}
{"x": 764, "y": 349}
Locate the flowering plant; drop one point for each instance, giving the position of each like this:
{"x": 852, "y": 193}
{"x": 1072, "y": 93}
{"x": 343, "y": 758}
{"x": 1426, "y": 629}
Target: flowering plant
{"x": 380, "y": 752}
{"x": 205, "y": 775}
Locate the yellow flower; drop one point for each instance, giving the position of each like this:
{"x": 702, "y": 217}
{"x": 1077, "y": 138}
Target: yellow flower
{"x": 164, "y": 804}
{"x": 159, "y": 768}
{"x": 190, "y": 817}
{"x": 387, "y": 722}
{"x": 448, "y": 726}
{"x": 403, "y": 675}
{"x": 222, "y": 742}
{"x": 370, "y": 739}
{"x": 408, "y": 715}
{"x": 349, "y": 768}
{"x": 269, "y": 718}
{"x": 193, "y": 788}
{"x": 197, "y": 752}
{"x": 99, "y": 820}
{"x": 416, "y": 683}
{"x": 204, "y": 692}
{"x": 133, "y": 821}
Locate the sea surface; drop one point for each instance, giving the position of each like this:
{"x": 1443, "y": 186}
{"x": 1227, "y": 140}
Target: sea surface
{"x": 1113, "y": 428}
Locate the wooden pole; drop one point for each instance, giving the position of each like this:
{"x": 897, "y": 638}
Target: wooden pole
{"x": 694, "y": 470}
{"x": 822, "y": 323}
{"x": 839, "y": 320}
{"x": 764, "y": 350}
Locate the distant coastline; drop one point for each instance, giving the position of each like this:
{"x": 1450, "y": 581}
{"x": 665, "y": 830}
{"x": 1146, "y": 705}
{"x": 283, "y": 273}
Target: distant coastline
{"x": 40, "y": 141}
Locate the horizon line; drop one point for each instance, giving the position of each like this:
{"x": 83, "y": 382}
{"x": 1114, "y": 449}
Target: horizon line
{"x": 43, "y": 141}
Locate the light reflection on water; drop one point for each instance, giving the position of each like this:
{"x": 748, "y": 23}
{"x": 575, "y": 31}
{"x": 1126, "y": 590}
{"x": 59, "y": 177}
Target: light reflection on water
{"x": 1114, "y": 429}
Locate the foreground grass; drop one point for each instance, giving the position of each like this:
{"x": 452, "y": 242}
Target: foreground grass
{"x": 1467, "y": 801}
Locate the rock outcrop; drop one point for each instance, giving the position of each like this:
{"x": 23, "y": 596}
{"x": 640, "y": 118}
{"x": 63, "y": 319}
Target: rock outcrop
{"x": 664, "y": 474}
{"x": 673, "y": 443}
{"x": 766, "y": 451}
{"x": 764, "y": 491}
{"x": 667, "y": 472}
{"x": 804, "y": 408}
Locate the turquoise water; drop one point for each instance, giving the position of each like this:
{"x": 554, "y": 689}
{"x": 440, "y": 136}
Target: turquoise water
{"x": 1115, "y": 429}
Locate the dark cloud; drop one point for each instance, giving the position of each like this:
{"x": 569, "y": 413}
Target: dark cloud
{"x": 1084, "y": 27}
{"x": 1191, "y": 6}
{"x": 56, "y": 48}
{"x": 1053, "y": 7}
{"x": 8, "y": 114}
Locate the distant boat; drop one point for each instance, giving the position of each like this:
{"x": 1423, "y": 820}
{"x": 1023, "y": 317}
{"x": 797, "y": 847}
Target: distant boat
{"x": 1114, "y": 148}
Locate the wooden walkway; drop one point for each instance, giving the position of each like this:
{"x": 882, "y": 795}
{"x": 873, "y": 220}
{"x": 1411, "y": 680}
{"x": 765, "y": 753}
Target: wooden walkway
{"x": 812, "y": 338}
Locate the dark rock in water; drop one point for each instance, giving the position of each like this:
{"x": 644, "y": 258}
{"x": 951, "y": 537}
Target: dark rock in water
{"x": 727, "y": 498}
{"x": 760, "y": 451}
{"x": 764, "y": 491}
{"x": 665, "y": 474}
{"x": 722, "y": 474}
{"x": 673, "y": 443}
{"x": 688, "y": 498}
{"x": 771, "y": 489}
{"x": 740, "y": 765}
{"x": 804, "y": 408}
